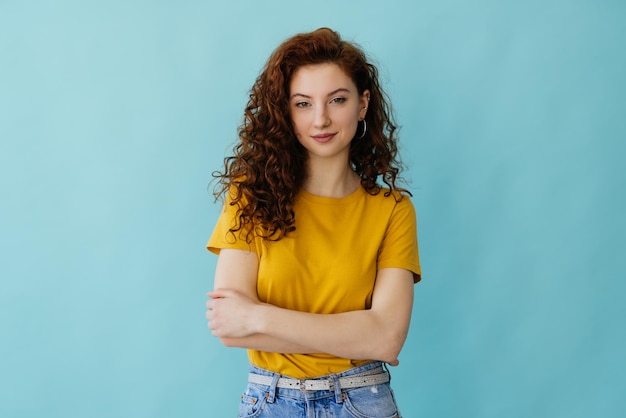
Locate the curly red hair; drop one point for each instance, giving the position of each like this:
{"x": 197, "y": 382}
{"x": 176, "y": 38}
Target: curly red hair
{"x": 267, "y": 167}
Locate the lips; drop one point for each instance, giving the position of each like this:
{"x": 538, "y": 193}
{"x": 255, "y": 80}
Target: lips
{"x": 323, "y": 137}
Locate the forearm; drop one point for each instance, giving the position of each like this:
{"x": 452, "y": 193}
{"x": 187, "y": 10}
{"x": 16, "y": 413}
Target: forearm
{"x": 358, "y": 335}
{"x": 353, "y": 335}
{"x": 263, "y": 342}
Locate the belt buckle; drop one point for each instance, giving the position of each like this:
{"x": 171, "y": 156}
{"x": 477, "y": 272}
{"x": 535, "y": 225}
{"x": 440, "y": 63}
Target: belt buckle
{"x": 304, "y": 390}
{"x": 302, "y": 386}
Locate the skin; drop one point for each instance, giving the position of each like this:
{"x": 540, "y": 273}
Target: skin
{"x": 325, "y": 107}
{"x": 325, "y": 101}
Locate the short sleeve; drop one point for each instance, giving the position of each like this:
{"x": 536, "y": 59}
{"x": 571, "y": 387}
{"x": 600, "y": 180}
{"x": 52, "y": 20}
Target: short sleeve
{"x": 399, "y": 248}
{"x": 222, "y": 237}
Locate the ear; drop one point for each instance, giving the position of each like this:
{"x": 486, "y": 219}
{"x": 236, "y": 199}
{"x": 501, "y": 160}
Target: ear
{"x": 365, "y": 102}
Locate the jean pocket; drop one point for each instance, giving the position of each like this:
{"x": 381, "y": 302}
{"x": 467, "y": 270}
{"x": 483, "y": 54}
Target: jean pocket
{"x": 252, "y": 402}
{"x": 371, "y": 402}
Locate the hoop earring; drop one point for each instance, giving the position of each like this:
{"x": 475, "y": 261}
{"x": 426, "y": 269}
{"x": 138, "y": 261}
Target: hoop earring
{"x": 364, "y": 130}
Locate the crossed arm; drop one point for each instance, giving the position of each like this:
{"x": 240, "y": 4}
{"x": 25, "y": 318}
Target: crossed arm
{"x": 239, "y": 319}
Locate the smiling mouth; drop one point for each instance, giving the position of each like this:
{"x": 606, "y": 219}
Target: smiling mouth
{"x": 323, "y": 137}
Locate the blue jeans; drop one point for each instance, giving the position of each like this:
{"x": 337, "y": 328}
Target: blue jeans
{"x": 261, "y": 401}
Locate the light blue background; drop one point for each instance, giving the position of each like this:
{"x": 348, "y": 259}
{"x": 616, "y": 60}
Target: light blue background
{"x": 114, "y": 114}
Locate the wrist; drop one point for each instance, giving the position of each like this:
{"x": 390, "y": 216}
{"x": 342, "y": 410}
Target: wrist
{"x": 260, "y": 318}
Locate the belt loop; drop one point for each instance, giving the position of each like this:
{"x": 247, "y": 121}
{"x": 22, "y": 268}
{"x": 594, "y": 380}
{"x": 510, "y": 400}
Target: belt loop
{"x": 334, "y": 381}
{"x": 271, "y": 395}
{"x": 386, "y": 369}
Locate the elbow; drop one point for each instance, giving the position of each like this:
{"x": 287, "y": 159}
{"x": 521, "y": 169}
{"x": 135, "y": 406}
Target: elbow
{"x": 389, "y": 349}
{"x": 389, "y": 355}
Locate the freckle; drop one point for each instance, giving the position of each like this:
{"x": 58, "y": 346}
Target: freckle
{"x": 374, "y": 389}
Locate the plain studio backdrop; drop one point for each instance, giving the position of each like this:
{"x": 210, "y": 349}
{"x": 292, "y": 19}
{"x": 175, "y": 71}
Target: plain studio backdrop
{"x": 113, "y": 114}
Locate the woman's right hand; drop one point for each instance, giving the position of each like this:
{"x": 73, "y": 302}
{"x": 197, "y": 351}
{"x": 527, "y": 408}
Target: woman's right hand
{"x": 231, "y": 314}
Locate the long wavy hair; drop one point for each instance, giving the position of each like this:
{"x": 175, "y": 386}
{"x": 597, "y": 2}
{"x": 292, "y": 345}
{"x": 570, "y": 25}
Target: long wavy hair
{"x": 267, "y": 168}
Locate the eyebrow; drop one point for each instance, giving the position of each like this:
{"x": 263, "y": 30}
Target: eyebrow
{"x": 332, "y": 93}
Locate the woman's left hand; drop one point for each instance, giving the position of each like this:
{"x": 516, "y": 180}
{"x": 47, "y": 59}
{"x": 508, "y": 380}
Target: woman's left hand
{"x": 230, "y": 314}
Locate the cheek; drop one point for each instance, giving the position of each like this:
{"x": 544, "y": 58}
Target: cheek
{"x": 349, "y": 120}
{"x": 296, "y": 123}
{"x": 349, "y": 115}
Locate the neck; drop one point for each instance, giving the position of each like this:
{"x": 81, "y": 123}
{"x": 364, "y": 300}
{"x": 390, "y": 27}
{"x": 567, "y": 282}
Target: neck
{"x": 330, "y": 179}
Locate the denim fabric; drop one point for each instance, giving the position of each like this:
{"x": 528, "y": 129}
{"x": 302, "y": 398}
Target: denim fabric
{"x": 261, "y": 401}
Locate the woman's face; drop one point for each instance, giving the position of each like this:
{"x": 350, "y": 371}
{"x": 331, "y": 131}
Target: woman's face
{"x": 325, "y": 107}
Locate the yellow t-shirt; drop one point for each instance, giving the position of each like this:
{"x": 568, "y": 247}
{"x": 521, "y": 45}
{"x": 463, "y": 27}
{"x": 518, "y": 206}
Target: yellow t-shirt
{"x": 328, "y": 264}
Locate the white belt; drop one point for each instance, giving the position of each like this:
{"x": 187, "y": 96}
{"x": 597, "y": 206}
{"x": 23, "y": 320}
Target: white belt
{"x": 348, "y": 382}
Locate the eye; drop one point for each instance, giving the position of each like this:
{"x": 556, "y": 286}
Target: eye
{"x": 338, "y": 100}
{"x": 302, "y": 104}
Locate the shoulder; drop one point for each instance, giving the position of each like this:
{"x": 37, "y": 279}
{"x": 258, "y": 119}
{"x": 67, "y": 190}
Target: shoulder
{"x": 394, "y": 206}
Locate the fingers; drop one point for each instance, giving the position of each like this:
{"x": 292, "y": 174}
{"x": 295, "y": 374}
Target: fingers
{"x": 210, "y": 305}
{"x": 224, "y": 293}
{"x": 222, "y": 311}
{"x": 221, "y": 293}
{"x": 211, "y": 321}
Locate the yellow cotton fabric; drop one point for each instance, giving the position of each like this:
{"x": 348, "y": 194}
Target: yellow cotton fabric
{"x": 328, "y": 265}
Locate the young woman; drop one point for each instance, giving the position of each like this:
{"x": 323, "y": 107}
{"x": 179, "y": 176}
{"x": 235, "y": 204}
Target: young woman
{"x": 317, "y": 244}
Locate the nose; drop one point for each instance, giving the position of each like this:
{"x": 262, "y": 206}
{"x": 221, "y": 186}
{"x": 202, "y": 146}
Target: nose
{"x": 322, "y": 118}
